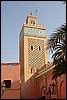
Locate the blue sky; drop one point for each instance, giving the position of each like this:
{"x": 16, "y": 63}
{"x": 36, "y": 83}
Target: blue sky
{"x": 13, "y": 14}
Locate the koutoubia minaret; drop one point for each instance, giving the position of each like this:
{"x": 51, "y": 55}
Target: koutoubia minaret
{"x": 32, "y": 47}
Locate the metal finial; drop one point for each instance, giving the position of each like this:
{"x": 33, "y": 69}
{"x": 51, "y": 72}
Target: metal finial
{"x": 36, "y": 12}
{"x": 30, "y": 13}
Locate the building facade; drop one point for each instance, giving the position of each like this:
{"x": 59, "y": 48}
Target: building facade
{"x": 33, "y": 54}
{"x": 10, "y": 75}
{"x": 31, "y": 78}
{"x": 48, "y": 88}
{"x": 35, "y": 71}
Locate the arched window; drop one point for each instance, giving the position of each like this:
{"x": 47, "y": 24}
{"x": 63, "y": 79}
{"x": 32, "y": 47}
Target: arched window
{"x": 31, "y": 47}
{"x": 39, "y": 48}
{"x": 32, "y": 22}
{"x": 31, "y": 70}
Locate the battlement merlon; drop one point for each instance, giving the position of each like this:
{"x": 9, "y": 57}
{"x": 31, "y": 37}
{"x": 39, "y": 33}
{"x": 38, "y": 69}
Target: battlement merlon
{"x": 38, "y": 26}
{"x": 31, "y": 21}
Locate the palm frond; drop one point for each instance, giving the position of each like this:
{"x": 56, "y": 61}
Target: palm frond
{"x": 57, "y": 45}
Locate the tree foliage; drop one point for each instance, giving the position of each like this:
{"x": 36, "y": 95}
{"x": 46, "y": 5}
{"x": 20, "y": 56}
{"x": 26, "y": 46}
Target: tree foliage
{"x": 57, "y": 45}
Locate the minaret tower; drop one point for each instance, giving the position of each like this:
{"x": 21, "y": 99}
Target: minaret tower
{"x": 32, "y": 47}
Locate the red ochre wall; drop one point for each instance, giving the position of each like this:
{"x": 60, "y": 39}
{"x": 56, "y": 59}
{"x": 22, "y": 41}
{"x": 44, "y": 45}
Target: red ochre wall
{"x": 29, "y": 90}
{"x": 12, "y": 74}
{"x": 32, "y": 89}
{"x": 60, "y": 87}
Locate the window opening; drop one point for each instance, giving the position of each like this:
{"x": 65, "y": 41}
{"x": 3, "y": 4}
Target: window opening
{"x": 31, "y": 47}
{"x": 39, "y": 48}
{"x": 9, "y": 65}
{"x": 7, "y": 83}
{"x": 31, "y": 70}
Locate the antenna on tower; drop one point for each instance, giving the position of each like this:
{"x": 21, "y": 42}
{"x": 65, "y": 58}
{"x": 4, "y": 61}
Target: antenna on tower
{"x": 36, "y": 12}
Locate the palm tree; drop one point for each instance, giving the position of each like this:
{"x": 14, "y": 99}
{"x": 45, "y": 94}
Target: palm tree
{"x": 57, "y": 45}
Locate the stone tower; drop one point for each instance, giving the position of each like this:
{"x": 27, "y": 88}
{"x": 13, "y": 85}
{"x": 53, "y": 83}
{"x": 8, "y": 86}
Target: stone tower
{"x": 32, "y": 47}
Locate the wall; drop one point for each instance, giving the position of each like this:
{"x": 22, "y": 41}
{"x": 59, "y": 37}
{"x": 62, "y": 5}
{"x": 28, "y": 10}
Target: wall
{"x": 32, "y": 88}
{"x": 12, "y": 74}
{"x": 29, "y": 89}
{"x": 60, "y": 86}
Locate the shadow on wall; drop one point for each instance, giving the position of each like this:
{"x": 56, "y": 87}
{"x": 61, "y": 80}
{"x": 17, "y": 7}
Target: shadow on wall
{"x": 29, "y": 89}
{"x": 13, "y": 92}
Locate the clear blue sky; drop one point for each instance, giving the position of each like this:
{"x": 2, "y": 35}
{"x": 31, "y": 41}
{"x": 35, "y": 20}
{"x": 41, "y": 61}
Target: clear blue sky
{"x": 13, "y": 14}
